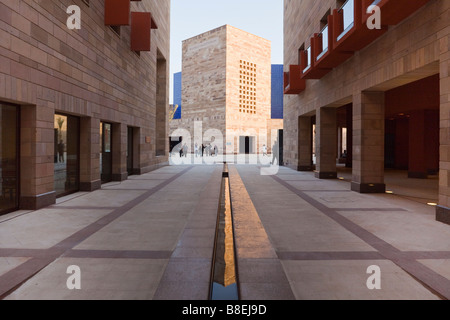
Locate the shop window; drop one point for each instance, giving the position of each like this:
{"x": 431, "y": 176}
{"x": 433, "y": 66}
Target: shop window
{"x": 9, "y": 157}
{"x": 67, "y": 154}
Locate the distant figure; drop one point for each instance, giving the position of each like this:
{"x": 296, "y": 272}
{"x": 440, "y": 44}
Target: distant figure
{"x": 196, "y": 150}
{"x": 181, "y": 152}
{"x": 203, "y": 149}
{"x": 275, "y": 151}
{"x": 216, "y": 150}
{"x": 61, "y": 151}
{"x": 264, "y": 151}
{"x": 185, "y": 150}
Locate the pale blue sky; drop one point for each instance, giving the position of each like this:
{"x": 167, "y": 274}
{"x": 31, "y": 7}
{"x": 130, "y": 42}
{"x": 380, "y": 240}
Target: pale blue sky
{"x": 189, "y": 18}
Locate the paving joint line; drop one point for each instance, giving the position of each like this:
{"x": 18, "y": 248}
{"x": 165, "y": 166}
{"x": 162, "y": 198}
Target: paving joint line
{"x": 12, "y": 279}
{"x": 432, "y": 280}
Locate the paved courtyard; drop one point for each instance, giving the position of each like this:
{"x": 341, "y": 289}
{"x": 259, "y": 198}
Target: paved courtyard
{"x": 296, "y": 237}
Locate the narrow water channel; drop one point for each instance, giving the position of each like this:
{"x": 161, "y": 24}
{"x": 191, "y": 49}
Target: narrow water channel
{"x": 224, "y": 284}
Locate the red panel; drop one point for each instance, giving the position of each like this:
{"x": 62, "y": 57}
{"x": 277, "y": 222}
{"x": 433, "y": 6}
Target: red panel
{"x": 117, "y": 12}
{"x": 141, "y": 23}
{"x": 394, "y": 11}
{"x": 293, "y": 83}
{"x": 358, "y": 36}
{"x": 315, "y": 72}
{"x": 332, "y": 58}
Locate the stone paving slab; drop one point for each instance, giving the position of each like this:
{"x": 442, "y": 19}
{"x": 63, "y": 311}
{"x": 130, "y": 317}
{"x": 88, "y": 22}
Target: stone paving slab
{"x": 397, "y": 236}
{"x": 101, "y": 279}
{"x": 297, "y": 237}
{"x": 259, "y": 270}
{"x": 114, "y": 248}
{"x": 346, "y": 280}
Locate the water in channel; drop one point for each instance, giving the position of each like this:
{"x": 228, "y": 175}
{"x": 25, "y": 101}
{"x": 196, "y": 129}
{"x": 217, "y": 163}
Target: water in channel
{"x": 224, "y": 284}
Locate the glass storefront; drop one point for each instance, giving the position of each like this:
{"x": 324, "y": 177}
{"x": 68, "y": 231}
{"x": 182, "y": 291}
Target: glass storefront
{"x": 9, "y": 157}
{"x": 105, "y": 152}
{"x": 67, "y": 151}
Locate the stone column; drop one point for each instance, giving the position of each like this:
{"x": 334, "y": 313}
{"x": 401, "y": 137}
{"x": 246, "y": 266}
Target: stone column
{"x": 89, "y": 154}
{"x": 349, "y": 115}
{"x": 368, "y": 142}
{"x": 119, "y": 152}
{"x": 36, "y": 157}
{"x": 326, "y": 143}
{"x": 443, "y": 209}
{"x": 304, "y": 144}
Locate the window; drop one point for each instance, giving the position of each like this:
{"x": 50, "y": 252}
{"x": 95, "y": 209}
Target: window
{"x": 324, "y": 37}
{"x": 348, "y": 12}
{"x": 67, "y": 151}
{"x": 308, "y": 59}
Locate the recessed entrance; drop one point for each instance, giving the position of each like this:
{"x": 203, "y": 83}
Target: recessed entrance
{"x": 133, "y": 155}
{"x": 9, "y": 157}
{"x": 411, "y": 140}
{"x": 246, "y": 145}
{"x": 105, "y": 152}
{"x": 67, "y": 154}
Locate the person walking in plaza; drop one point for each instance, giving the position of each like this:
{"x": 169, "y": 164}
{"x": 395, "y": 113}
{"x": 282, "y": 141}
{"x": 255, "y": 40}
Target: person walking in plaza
{"x": 264, "y": 151}
{"x": 61, "y": 151}
{"x": 275, "y": 151}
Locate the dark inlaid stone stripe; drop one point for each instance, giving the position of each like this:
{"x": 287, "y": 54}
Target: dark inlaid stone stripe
{"x": 429, "y": 278}
{"x": 13, "y": 278}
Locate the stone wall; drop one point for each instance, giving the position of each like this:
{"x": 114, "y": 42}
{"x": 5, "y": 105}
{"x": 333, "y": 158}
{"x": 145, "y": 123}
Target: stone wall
{"x": 416, "y": 48}
{"x": 216, "y": 93}
{"x": 45, "y": 68}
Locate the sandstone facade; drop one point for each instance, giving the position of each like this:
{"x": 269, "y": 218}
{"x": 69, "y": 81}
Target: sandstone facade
{"x": 226, "y": 88}
{"x": 91, "y": 74}
{"x": 415, "y": 49}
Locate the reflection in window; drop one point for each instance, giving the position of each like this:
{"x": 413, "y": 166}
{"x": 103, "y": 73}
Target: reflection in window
{"x": 66, "y": 146}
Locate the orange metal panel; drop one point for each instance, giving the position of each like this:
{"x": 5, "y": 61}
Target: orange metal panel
{"x": 315, "y": 72}
{"x": 117, "y": 12}
{"x": 358, "y": 36}
{"x": 393, "y": 11}
{"x": 332, "y": 58}
{"x": 293, "y": 83}
{"x": 141, "y": 23}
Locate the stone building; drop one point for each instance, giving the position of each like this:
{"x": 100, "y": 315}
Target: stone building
{"x": 226, "y": 90}
{"x": 80, "y": 106}
{"x": 375, "y": 98}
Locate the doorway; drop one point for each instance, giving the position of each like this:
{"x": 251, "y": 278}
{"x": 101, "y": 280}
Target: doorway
{"x": 130, "y": 151}
{"x": 67, "y": 154}
{"x": 105, "y": 152}
{"x": 9, "y": 157}
{"x": 246, "y": 145}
